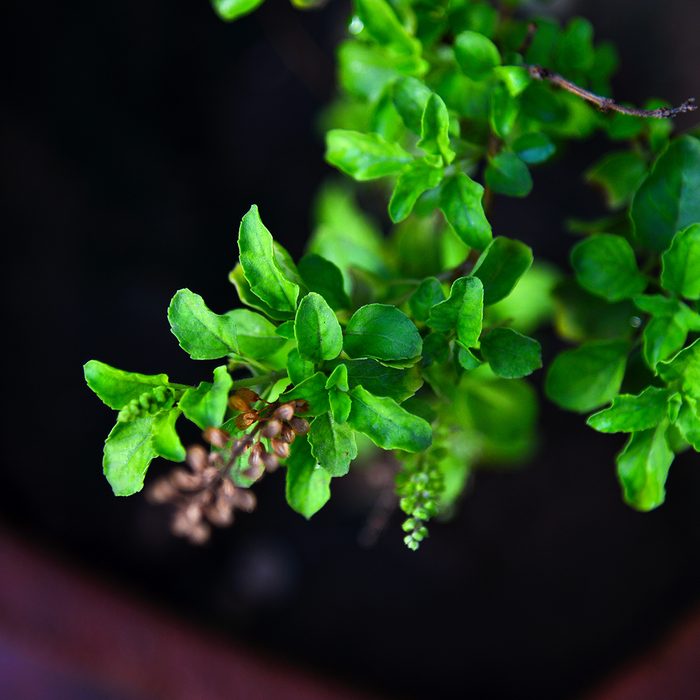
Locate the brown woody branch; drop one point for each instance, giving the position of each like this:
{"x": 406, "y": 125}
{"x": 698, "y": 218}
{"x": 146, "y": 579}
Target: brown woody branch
{"x": 607, "y": 104}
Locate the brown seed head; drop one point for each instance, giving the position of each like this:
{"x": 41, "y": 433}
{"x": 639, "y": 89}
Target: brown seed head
{"x": 245, "y": 420}
{"x": 216, "y": 437}
{"x": 301, "y": 406}
{"x": 287, "y": 434}
{"x": 199, "y": 533}
{"x": 237, "y": 403}
{"x": 197, "y": 458}
{"x": 161, "y": 491}
{"x": 255, "y": 454}
{"x": 185, "y": 481}
{"x": 299, "y": 425}
{"x": 272, "y": 428}
{"x": 270, "y": 461}
{"x": 285, "y": 411}
{"x": 280, "y": 448}
{"x": 245, "y": 500}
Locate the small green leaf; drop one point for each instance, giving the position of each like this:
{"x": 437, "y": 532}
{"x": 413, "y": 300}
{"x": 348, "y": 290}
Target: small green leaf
{"x": 206, "y": 405}
{"x": 680, "y": 270}
{"x": 380, "y": 380}
{"x": 619, "y": 175}
{"x": 503, "y": 111}
{"x": 332, "y": 444}
{"x": 476, "y": 54}
{"x": 117, "y": 388}
{"x": 414, "y": 180}
{"x": 313, "y": 391}
{"x": 341, "y": 404}
{"x": 467, "y": 359}
{"x": 307, "y": 485}
{"x": 325, "y": 278}
{"x": 534, "y": 147}
{"x": 298, "y": 368}
{"x": 507, "y": 174}
{"x": 128, "y": 452}
{"x": 642, "y": 468}
{"x": 245, "y": 294}
{"x": 261, "y": 264}
{"x": 383, "y": 332}
{"x": 589, "y": 376}
{"x": 629, "y": 414}
{"x": 382, "y": 24}
{"x": 166, "y": 442}
{"x": 209, "y": 336}
{"x": 460, "y": 202}
{"x": 500, "y": 267}
{"x": 511, "y": 354}
{"x": 683, "y": 370}
{"x": 339, "y": 378}
{"x": 605, "y": 265}
{"x": 233, "y": 9}
{"x": 669, "y": 199}
{"x": 285, "y": 330}
{"x": 364, "y": 156}
{"x": 410, "y": 97}
{"x": 688, "y": 422}
{"x": 316, "y": 328}
{"x": 662, "y": 337}
{"x": 462, "y": 311}
{"x": 428, "y": 293}
{"x": 388, "y": 425}
{"x": 435, "y": 129}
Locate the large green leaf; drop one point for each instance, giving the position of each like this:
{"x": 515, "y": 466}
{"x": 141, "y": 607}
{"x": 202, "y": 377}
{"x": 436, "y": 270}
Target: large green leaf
{"x": 316, "y": 328}
{"x": 500, "y": 267}
{"x": 325, "y": 278}
{"x": 410, "y": 96}
{"x": 307, "y": 484}
{"x": 680, "y": 272}
{"x": 476, "y": 54}
{"x": 629, "y": 413}
{"x": 669, "y": 199}
{"x": 511, "y": 354}
{"x": 261, "y": 264}
{"x": 605, "y": 265}
{"x": 642, "y": 468}
{"x": 388, "y": 425}
{"x": 117, "y": 388}
{"x": 589, "y": 376}
{"x": 165, "y": 440}
{"x": 460, "y": 202}
{"x": 206, "y": 405}
{"x": 332, "y": 444}
{"x": 383, "y": 332}
{"x": 380, "y": 380}
{"x": 364, "y": 156}
{"x": 128, "y": 452}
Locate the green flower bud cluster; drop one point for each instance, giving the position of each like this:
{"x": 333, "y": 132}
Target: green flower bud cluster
{"x": 420, "y": 490}
{"x": 151, "y": 402}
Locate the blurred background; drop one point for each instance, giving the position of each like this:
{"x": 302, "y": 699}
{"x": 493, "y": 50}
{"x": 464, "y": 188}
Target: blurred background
{"x": 134, "y": 136}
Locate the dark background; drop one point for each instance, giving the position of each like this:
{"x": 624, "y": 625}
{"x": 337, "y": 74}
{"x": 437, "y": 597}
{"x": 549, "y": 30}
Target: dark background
{"x": 134, "y": 136}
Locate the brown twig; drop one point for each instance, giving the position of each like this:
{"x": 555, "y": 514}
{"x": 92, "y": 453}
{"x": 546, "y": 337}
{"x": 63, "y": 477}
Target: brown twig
{"x": 607, "y": 104}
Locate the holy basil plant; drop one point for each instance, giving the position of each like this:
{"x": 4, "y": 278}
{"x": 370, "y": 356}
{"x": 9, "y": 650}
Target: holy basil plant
{"x": 418, "y": 341}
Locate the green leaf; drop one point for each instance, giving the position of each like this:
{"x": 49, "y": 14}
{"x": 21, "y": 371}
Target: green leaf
{"x": 245, "y": 294}
{"x": 205, "y": 335}
{"x": 128, "y": 452}
{"x": 460, "y": 202}
{"x": 688, "y": 422}
{"x": 332, "y": 444}
{"x": 574, "y": 50}
{"x": 382, "y": 24}
{"x": 316, "y": 328}
{"x": 415, "y": 179}
{"x": 410, "y": 96}
{"x": 307, "y": 485}
{"x": 511, "y": 354}
{"x": 642, "y": 468}
{"x": 669, "y": 199}
{"x": 261, "y": 264}
{"x": 534, "y": 147}
{"x": 325, "y": 278}
{"x": 382, "y": 332}
{"x": 662, "y": 337}
{"x": 428, "y": 293}
{"x": 206, "y": 405}
{"x": 233, "y": 9}
{"x": 285, "y": 330}
{"x": 313, "y": 391}
{"x": 683, "y": 370}
{"x": 117, "y": 388}
{"x": 619, "y": 175}
{"x": 605, "y": 265}
{"x": 338, "y": 378}
{"x": 341, "y": 405}
{"x": 629, "y": 414}
{"x": 500, "y": 267}
{"x": 380, "y": 380}
{"x": 386, "y": 424}
{"x": 589, "y": 376}
{"x": 298, "y": 368}
{"x": 507, "y": 174}
{"x": 476, "y": 54}
{"x": 166, "y": 442}
{"x": 462, "y": 311}
{"x": 435, "y": 129}
{"x": 503, "y": 112}
{"x": 364, "y": 156}
{"x": 680, "y": 270}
